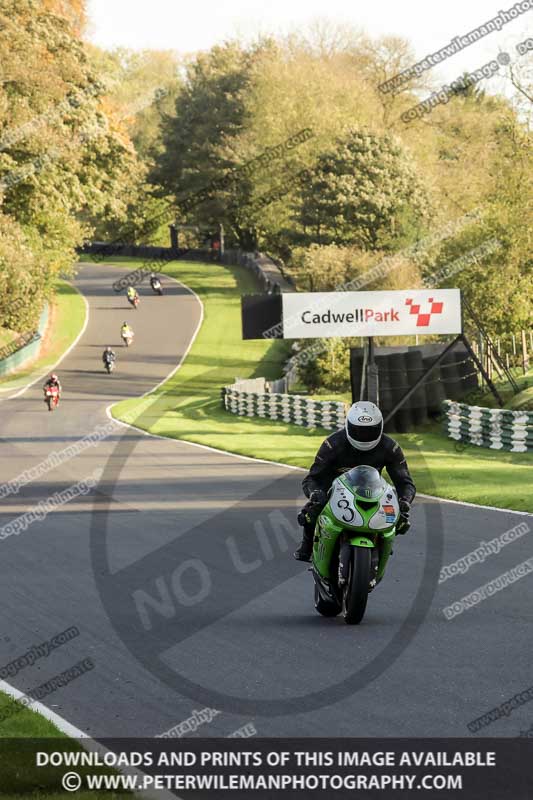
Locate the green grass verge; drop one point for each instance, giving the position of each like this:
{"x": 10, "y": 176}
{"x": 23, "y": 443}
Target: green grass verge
{"x": 19, "y": 776}
{"x": 486, "y": 399}
{"x": 16, "y": 720}
{"x": 69, "y": 316}
{"x": 523, "y": 401}
{"x": 188, "y": 405}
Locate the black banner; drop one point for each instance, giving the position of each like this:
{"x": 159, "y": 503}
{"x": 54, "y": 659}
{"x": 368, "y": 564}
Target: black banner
{"x": 261, "y": 316}
{"x": 473, "y": 769}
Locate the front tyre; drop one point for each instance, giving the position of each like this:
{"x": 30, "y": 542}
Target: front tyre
{"x": 325, "y": 608}
{"x": 355, "y": 591}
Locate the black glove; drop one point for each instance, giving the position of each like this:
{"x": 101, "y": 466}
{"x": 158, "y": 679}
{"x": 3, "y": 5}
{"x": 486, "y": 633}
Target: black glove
{"x": 403, "y": 525}
{"x": 302, "y": 516}
{"x": 318, "y": 497}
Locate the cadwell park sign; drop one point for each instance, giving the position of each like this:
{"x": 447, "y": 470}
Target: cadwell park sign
{"x": 319, "y": 315}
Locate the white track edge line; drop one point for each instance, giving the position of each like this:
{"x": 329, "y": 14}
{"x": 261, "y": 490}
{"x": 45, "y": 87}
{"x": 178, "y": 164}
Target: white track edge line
{"x": 44, "y": 711}
{"x": 474, "y": 505}
{"x": 64, "y": 355}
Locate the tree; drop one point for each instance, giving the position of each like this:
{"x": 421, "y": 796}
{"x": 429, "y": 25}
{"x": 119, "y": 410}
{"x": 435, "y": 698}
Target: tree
{"x": 497, "y": 284}
{"x": 142, "y": 87}
{"x": 365, "y": 191}
{"x": 66, "y": 163}
{"x": 198, "y": 139}
{"x": 22, "y": 278}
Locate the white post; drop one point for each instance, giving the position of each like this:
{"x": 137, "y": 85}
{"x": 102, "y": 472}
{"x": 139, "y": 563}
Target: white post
{"x": 525, "y": 357}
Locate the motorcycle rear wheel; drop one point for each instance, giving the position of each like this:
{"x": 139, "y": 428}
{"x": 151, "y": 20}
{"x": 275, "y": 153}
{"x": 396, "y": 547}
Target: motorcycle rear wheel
{"x": 355, "y": 591}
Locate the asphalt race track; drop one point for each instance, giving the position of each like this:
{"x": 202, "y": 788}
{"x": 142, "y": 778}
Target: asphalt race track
{"x": 176, "y": 570}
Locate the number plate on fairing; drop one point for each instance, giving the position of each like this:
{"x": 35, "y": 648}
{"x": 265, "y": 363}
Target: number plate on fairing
{"x": 342, "y": 506}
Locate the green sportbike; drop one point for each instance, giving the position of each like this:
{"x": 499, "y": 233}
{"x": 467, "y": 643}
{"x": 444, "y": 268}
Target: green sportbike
{"x": 352, "y": 543}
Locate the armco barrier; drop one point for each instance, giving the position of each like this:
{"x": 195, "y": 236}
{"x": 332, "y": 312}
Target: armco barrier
{"x": 285, "y": 407}
{"x": 268, "y": 271}
{"x": 28, "y": 351}
{"x": 498, "y": 429}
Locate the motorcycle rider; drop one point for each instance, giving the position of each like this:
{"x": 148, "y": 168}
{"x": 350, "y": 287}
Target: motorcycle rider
{"x": 108, "y": 355}
{"x": 53, "y": 383}
{"x": 126, "y": 332}
{"x": 132, "y": 294}
{"x": 155, "y": 283}
{"x": 361, "y": 441}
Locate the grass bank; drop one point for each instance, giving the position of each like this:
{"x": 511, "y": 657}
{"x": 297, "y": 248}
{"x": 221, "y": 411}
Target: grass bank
{"x": 67, "y": 317}
{"x": 16, "y": 720}
{"x": 188, "y": 405}
{"x": 20, "y": 777}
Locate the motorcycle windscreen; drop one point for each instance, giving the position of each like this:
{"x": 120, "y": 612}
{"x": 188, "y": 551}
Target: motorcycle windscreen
{"x": 366, "y": 482}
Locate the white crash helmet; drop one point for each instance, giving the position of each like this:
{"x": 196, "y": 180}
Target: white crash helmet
{"x": 364, "y": 425}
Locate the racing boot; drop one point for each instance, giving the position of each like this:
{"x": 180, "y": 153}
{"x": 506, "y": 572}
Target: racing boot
{"x": 306, "y": 548}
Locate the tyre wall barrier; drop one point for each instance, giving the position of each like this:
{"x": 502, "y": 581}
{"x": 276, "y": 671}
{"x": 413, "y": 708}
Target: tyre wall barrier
{"x": 28, "y": 349}
{"x": 284, "y": 407}
{"x": 498, "y": 429}
{"x": 399, "y": 368}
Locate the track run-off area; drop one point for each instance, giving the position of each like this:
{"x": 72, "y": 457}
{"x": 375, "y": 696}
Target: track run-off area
{"x": 173, "y": 561}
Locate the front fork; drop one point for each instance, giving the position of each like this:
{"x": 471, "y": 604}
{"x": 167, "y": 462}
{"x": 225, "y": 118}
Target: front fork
{"x": 386, "y": 541}
{"x": 381, "y": 551}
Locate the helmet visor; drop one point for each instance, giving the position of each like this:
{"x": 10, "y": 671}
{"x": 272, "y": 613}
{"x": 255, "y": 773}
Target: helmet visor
{"x": 364, "y": 433}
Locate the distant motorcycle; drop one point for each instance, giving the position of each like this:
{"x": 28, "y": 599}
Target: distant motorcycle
{"x": 155, "y": 283}
{"x": 51, "y": 397}
{"x": 109, "y": 364}
{"x": 134, "y": 301}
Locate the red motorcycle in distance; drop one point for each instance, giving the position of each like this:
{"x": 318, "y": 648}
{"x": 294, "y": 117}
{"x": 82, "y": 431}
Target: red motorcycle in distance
{"x": 51, "y": 397}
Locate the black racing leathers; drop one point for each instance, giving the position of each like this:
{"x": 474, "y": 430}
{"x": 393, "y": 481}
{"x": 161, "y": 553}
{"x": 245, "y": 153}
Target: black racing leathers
{"x": 336, "y": 455}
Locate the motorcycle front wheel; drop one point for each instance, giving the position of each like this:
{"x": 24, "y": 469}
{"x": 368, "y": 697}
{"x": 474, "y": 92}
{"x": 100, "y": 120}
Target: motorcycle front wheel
{"x": 355, "y": 591}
